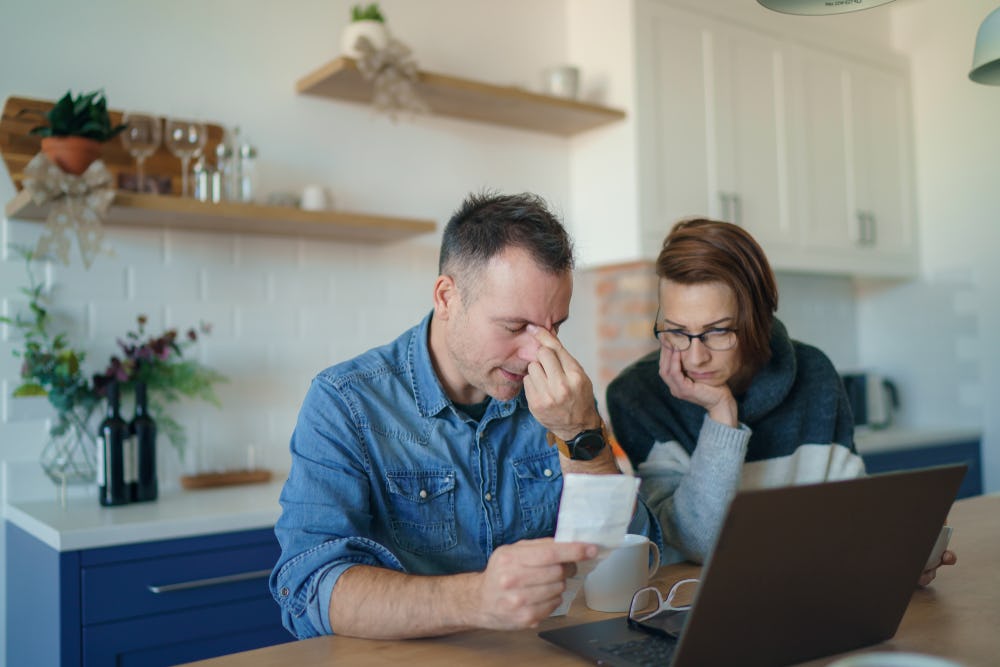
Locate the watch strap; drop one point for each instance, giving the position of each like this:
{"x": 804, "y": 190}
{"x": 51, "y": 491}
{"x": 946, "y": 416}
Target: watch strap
{"x": 563, "y": 445}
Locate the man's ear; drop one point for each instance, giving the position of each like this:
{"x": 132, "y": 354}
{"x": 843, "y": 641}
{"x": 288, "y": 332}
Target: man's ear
{"x": 445, "y": 296}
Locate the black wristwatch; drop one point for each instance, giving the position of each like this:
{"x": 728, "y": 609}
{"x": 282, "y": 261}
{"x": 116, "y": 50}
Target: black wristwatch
{"x": 584, "y": 447}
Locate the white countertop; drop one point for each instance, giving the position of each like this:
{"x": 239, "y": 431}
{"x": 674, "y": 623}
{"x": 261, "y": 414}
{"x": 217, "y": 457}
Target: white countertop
{"x": 871, "y": 441}
{"x": 83, "y": 523}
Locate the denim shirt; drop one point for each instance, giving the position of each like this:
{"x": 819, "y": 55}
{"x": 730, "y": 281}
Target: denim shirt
{"x": 386, "y": 472}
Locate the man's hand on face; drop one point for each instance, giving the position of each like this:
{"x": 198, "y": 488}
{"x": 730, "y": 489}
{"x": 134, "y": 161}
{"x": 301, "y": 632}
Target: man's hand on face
{"x": 559, "y": 392}
{"x": 523, "y": 582}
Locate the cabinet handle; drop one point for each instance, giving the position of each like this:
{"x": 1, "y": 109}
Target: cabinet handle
{"x": 211, "y": 581}
{"x": 737, "y": 210}
{"x": 872, "y": 225}
{"x": 724, "y": 200}
{"x": 862, "y": 228}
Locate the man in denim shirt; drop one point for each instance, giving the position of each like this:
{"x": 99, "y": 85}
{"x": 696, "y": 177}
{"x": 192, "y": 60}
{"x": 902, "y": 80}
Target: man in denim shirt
{"x": 423, "y": 493}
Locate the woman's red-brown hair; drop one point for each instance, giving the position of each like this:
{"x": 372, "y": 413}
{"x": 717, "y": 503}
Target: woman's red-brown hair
{"x": 709, "y": 251}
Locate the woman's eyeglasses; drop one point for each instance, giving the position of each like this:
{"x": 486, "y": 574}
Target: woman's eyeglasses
{"x": 665, "y": 618}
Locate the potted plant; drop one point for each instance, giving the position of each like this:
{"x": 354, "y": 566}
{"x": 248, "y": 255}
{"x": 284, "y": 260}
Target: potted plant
{"x": 366, "y": 21}
{"x": 53, "y": 368}
{"x": 76, "y": 128}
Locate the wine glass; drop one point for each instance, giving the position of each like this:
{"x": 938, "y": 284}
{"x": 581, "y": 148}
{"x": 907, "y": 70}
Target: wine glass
{"x": 185, "y": 139}
{"x": 141, "y": 138}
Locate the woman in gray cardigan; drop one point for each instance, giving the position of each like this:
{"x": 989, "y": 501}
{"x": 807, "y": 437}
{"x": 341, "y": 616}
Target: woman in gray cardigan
{"x": 729, "y": 401}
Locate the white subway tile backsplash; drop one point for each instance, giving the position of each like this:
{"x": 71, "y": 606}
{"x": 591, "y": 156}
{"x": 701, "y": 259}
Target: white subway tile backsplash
{"x": 268, "y": 322}
{"x": 164, "y": 284}
{"x": 190, "y": 249}
{"x": 237, "y": 285}
{"x": 27, "y": 409}
{"x": 266, "y": 252}
{"x": 305, "y": 285}
{"x": 105, "y": 279}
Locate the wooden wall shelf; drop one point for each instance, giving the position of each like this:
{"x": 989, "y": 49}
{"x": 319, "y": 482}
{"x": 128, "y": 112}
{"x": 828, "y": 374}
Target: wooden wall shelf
{"x": 472, "y": 100}
{"x": 134, "y": 210}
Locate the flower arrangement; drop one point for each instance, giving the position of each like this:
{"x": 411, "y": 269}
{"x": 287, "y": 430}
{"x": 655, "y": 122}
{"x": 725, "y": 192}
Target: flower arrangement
{"x": 53, "y": 368}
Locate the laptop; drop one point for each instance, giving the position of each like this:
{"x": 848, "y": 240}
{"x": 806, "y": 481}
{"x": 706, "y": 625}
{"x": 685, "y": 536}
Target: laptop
{"x": 798, "y": 572}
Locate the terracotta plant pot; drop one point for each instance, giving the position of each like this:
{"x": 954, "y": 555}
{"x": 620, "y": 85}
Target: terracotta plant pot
{"x": 72, "y": 154}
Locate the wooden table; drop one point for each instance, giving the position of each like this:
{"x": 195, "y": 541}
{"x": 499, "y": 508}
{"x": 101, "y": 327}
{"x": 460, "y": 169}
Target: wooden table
{"x": 957, "y": 617}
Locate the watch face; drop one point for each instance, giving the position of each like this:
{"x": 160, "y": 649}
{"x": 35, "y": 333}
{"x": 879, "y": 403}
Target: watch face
{"x": 587, "y": 445}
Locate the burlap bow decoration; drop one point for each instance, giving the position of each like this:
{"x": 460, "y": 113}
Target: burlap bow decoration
{"x": 394, "y": 76}
{"x": 77, "y": 204}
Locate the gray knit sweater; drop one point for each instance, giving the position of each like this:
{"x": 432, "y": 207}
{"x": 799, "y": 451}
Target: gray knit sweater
{"x": 795, "y": 428}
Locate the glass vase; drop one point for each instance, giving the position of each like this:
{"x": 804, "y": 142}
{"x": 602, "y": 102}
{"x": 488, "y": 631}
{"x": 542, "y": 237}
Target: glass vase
{"x": 70, "y": 455}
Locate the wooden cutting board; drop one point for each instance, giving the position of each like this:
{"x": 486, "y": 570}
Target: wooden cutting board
{"x": 18, "y": 146}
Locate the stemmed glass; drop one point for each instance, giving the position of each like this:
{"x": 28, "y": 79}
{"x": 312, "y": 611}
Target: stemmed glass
{"x": 141, "y": 138}
{"x": 185, "y": 139}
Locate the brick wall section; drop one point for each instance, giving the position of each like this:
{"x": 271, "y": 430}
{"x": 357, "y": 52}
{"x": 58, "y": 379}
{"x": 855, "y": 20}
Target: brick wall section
{"x": 626, "y": 299}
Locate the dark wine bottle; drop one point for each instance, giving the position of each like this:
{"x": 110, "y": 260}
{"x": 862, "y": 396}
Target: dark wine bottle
{"x": 112, "y": 440}
{"x": 143, "y": 427}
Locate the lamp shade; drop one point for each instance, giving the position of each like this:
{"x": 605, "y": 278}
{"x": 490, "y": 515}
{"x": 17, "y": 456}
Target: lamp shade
{"x": 986, "y": 59}
{"x": 820, "y": 7}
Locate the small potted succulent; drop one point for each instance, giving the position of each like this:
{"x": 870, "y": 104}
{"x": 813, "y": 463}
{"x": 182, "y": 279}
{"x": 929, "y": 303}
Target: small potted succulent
{"x": 75, "y": 130}
{"x": 366, "y": 21}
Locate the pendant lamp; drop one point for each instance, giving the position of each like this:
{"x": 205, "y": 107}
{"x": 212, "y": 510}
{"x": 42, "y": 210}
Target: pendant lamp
{"x": 820, "y": 7}
{"x": 986, "y": 58}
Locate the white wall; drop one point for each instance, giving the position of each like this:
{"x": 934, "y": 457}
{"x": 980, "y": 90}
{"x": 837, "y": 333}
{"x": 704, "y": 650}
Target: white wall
{"x": 938, "y": 335}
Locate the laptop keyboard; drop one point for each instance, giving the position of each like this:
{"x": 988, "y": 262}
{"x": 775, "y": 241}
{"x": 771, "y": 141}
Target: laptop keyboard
{"x": 644, "y": 652}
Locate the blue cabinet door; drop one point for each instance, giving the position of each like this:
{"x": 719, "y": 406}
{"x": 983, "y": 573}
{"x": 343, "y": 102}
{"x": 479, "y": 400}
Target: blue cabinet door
{"x": 98, "y": 607}
{"x": 921, "y": 457}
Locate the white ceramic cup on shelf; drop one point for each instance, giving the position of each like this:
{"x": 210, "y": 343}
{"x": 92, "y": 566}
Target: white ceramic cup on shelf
{"x": 562, "y": 81}
{"x": 611, "y": 585}
{"x": 315, "y": 198}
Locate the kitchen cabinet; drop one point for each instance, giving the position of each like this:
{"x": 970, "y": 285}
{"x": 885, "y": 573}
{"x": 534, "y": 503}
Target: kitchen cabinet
{"x": 922, "y": 454}
{"x": 452, "y": 96}
{"x": 808, "y": 149}
{"x": 853, "y": 141}
{"x": 711, "y": 100}
{"x": 151, "y": 604}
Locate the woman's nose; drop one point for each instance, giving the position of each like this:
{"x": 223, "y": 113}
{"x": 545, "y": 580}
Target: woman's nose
{"x": 697, "y": 353}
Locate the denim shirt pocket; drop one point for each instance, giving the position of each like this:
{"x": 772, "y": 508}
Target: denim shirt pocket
{"x": 422, "y": 507}
{"x": 539, "y": 484}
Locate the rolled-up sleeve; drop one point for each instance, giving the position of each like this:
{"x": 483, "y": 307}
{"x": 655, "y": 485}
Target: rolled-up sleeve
{"x": 326, "y": 513}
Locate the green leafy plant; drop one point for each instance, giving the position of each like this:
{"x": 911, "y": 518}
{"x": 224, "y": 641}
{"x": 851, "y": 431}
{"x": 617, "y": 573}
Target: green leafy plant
{"x": 367, "y": 13}
{"x": 51, "y": 367}
{"x": 82, "y": 116}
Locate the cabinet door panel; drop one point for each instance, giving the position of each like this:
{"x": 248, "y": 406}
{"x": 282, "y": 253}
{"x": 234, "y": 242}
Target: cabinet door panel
{"x": 123, "y": 589}
{"x": 196, "y": 634}
{"x": 751, "y": 148}
{"x": 880, "y": 160}
{"x": 673, "y": 123}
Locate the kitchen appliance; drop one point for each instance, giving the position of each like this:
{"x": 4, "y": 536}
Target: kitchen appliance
{"x": 873, "y": 398}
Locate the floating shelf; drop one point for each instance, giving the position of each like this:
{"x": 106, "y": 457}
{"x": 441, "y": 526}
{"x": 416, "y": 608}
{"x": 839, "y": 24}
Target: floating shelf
{"x": 134, "y": 210}
{"x": 472, "y": 100}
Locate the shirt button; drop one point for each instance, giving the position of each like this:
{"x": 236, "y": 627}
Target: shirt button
{"x": 284, "y": 592}
{"x": 547, "y": 473}
{"x": 423, "y": 493}
{"x": 489, "y": 497}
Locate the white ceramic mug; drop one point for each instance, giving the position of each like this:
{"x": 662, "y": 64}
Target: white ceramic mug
{"x": 563, "y": 81}
{"x": 611, "y": 585}
{"x": 315, "y": 198}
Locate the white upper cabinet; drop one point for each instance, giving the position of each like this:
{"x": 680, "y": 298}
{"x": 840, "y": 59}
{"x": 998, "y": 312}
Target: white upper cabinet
{"x": 807, "y": 149}
{"x": 852, "y": 139}
{"x": 711, "y": 125}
